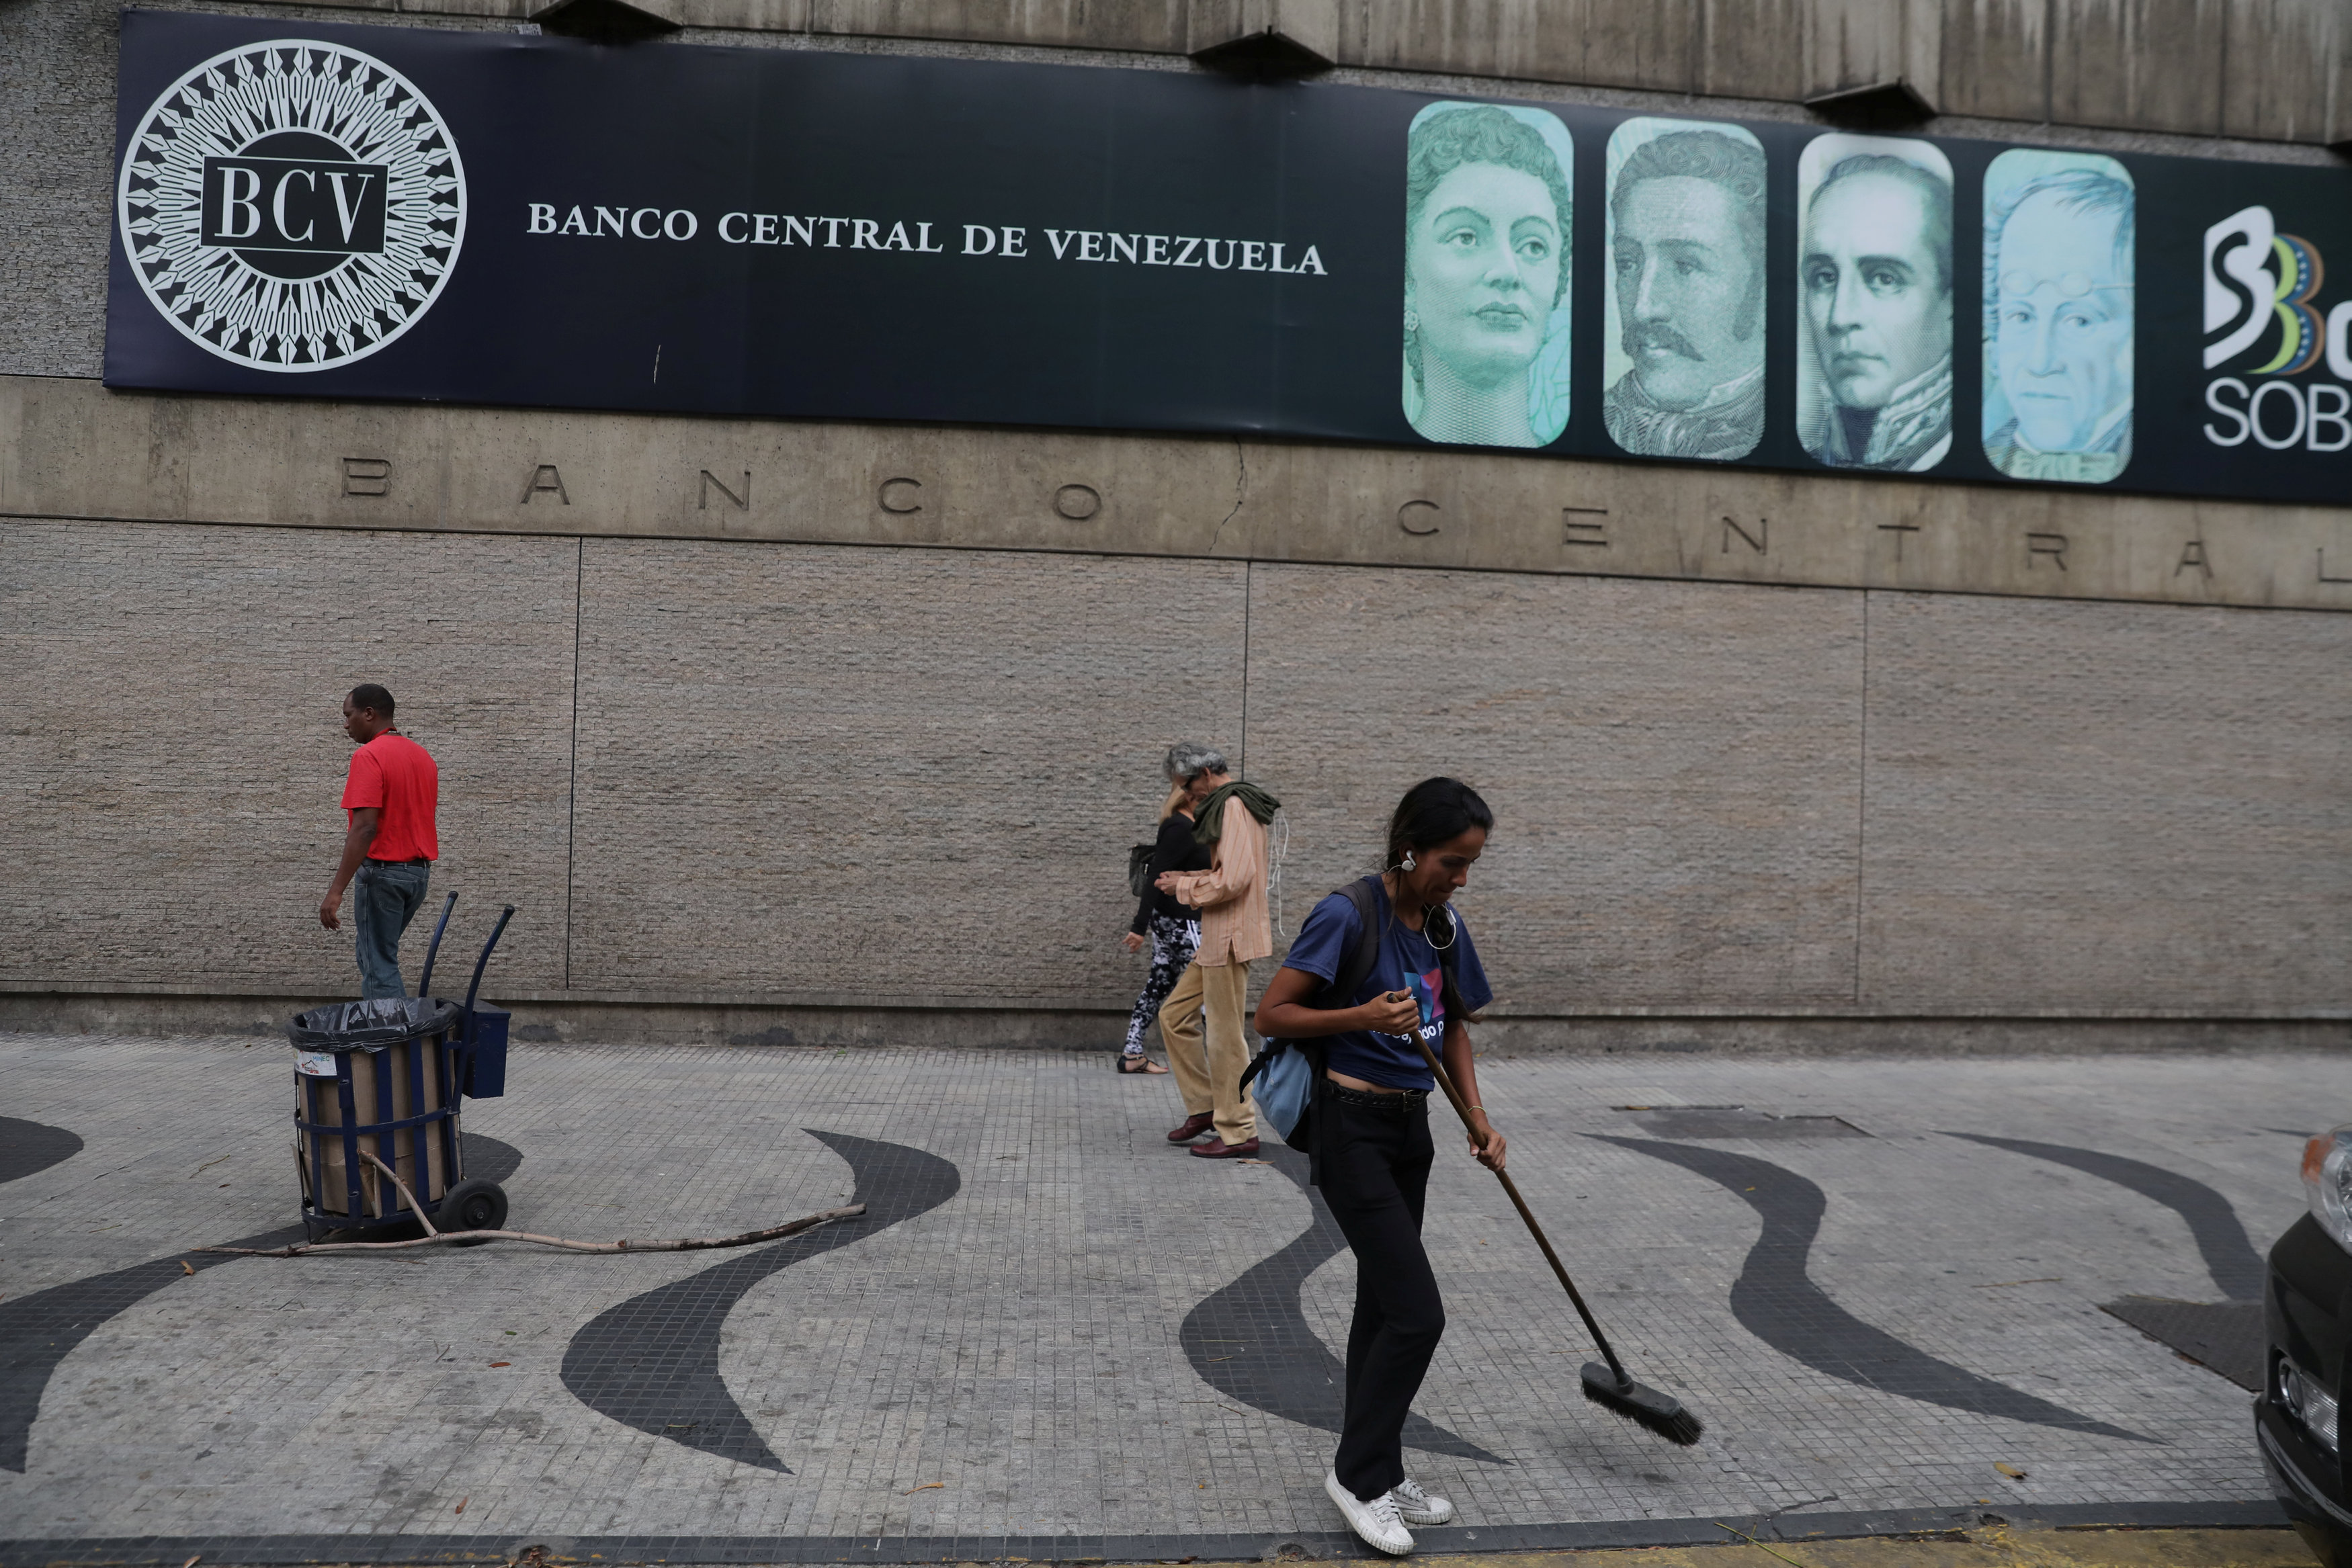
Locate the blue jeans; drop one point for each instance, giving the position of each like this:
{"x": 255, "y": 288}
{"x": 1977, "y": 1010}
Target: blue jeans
{"x": 384, "y": 899}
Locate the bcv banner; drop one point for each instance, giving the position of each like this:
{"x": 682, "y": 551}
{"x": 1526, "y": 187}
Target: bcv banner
{"x": 382, "y": 213}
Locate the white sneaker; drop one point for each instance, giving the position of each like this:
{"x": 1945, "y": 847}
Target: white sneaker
{"x": 1418, "y": 1507}
{"x": 1376, "y": 1521}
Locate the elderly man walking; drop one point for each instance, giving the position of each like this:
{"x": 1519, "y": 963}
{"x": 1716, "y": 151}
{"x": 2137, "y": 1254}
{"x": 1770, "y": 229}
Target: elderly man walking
{"x": 1202, "y": 1020}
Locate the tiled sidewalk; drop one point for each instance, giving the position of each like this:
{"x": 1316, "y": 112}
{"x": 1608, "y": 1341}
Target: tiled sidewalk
{"x": 1052, "y": 1326}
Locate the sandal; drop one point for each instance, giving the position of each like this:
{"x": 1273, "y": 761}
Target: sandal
{"x": 1147, "y": 1065}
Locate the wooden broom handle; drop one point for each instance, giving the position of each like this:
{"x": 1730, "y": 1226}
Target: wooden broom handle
{"x": 1454, "y": 1096}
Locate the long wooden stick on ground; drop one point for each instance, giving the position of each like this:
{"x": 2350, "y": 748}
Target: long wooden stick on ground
{"x": 684, "y": 1244}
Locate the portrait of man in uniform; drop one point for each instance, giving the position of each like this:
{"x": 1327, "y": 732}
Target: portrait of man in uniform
{"x": 1685, "y": 290}
{"x": 1875, "y": 292}
{"x": 2059, "y": 307}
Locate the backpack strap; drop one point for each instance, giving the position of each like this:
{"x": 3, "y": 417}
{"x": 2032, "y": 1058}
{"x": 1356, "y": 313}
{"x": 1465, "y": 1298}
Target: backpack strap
{"x": 1363, "y": 892}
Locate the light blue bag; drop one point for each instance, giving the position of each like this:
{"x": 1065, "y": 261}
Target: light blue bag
{"x": 1285, "y": 1080}
{"x": 1288, "y": 1071}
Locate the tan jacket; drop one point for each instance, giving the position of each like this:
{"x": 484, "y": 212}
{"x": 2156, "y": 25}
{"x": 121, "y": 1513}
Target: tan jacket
{"x": 1231, "y": 895}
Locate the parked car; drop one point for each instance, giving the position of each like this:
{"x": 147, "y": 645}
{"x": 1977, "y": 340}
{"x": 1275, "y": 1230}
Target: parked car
{"x": 2308, "y": 1312}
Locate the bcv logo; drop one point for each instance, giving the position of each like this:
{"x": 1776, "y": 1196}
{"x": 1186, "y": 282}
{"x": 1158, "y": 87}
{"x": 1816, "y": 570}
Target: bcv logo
{"x": 291, "y": 205}
{"x": 306, "y": 206}
{"x": 2262, "y": 289}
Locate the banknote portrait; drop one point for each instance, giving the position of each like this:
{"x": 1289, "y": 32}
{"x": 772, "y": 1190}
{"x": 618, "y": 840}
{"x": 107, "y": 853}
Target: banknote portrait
{"x": 1486, "y": 274}
{"x": 2060, "y": 293}
{"x": 1874, "y": 303}
{"x": 1684, "y": 366}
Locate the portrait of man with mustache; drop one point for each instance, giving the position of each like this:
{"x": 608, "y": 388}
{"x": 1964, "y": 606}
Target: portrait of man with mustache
{"x": 1686, "y": 254}
{"x": 1875, "y": 286}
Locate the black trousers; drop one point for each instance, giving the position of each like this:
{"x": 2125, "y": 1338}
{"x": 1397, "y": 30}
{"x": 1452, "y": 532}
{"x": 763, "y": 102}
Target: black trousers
{"x": 1376, "y": 1163}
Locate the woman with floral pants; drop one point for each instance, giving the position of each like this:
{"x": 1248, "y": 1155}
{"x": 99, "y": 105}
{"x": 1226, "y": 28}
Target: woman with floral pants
{"x": 1174, "y": 931}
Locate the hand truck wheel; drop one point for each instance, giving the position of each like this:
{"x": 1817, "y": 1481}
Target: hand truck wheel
{"x": 473, "y": 1206}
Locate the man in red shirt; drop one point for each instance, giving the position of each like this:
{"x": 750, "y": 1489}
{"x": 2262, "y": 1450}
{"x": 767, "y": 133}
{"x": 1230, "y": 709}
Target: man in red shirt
{"x": 389, "y": 846}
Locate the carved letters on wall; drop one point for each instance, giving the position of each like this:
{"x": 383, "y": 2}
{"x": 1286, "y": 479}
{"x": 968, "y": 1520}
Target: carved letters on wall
{"x": 1582, "y": 527}
{"x": 545, "y": 480}
{"x": 710, "y": 482}
{"x": 366, "y": 476}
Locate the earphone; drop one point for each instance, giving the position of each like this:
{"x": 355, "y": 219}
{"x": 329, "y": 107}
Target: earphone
{"x": 1408, "y": 863}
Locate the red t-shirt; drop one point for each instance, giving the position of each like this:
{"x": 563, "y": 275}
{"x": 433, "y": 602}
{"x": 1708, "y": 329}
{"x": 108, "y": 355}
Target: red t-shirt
{"x": 394, "y": 774}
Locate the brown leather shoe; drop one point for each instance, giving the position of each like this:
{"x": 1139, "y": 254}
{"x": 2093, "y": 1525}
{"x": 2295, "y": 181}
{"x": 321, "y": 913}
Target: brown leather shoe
{"x": 1192, "y": 1128}
{"x": 1218, "y": 1149}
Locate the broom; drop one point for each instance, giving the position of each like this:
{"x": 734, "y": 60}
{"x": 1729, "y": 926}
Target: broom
{"x": 1609, "y": 1386}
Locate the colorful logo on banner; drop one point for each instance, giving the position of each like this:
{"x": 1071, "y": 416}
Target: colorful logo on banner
{"x": 293, "y": 206}
{"x": 2257, "y": 278}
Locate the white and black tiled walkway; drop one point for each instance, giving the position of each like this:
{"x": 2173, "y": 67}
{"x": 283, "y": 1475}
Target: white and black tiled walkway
{"x": 1053, "y": 1336}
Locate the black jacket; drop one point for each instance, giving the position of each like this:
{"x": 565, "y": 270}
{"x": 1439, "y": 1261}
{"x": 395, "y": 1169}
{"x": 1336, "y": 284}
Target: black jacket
{"x": 1175, "y": 851}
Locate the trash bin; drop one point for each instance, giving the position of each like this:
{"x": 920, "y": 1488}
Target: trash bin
{"x": 385, "y": 1077}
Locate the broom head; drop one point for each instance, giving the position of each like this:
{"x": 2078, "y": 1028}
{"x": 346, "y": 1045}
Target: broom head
{"x": 1661, "y": 1413}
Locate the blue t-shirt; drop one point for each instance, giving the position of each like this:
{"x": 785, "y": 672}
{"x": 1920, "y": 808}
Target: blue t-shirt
{"x": 1405, "y": 961}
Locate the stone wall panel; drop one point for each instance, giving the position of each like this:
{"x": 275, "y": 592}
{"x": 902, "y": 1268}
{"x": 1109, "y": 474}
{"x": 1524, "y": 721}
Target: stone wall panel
{"x": 2287, "y": 72}
{"x": 1756, "y": 48}
{"x": 1674, "y": 769}
{"x": 2086, "y": 806}
{"x": 1154, "y": 25}
{"x": 2149, "y": 65}
{"x": 1847, "y": 43}
{"x": 57, "y": 122}
{"x": 1604, "y": 43}
{"x": 1996, "y": 59}
{"x": 172, "y": 749}
{"x": 810, "y": 770}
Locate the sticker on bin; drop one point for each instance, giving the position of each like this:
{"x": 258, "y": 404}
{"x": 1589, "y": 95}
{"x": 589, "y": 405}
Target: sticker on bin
{"x": 316, "y": 1063}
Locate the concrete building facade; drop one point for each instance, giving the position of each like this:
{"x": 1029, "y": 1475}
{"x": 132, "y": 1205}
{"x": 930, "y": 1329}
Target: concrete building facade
{"x": 1779, "y": 759}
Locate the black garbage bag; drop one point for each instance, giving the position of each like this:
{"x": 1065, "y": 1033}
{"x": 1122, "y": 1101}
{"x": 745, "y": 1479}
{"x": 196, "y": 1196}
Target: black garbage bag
{"x": 373, "y": 1024}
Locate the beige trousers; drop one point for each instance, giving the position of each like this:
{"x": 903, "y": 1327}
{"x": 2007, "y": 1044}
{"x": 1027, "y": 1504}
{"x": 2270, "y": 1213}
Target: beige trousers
{"x": 1209, "y": 1071}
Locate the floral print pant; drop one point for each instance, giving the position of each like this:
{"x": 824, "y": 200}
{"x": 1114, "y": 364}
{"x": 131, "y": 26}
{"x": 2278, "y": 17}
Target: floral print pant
{"x": 1174, "y": 942}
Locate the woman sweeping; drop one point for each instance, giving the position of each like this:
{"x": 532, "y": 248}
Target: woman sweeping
{"x": 1375, "y": 1151}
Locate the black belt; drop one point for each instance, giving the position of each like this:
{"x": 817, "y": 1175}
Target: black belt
{"x": 1400, "y": 1102}
{"x": 420, "y": 860}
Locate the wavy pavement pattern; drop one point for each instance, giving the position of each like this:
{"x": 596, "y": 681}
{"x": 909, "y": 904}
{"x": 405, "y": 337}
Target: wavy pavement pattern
{"x": 1776, "y": 1300}
{"x": 1251, "y": 1341}
{"x": 2230, "y": 1258}
{"x": 652, "y": 1362}
{"x": 28, "y": 1148}
{"x": 39, "y": 1331}
{"x": 2227, "y": 1336}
